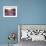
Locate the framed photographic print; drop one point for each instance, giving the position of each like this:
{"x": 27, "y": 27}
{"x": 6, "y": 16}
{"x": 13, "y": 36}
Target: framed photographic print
{"x": 9, "y": 11}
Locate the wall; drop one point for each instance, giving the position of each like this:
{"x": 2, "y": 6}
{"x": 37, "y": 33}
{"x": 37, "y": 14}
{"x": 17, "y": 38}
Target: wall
{"x": 29, "y": 12}
{"x": 7, "y": 25}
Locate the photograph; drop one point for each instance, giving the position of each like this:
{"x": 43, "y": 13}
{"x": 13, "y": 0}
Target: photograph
{"x": 10, "y": 11}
